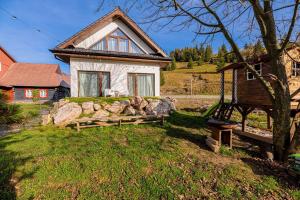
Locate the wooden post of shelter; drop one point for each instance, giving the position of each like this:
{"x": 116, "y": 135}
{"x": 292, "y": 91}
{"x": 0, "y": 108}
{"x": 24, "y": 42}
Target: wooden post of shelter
{"x": 244, "y": 111}
{"x": 234, "y": 86}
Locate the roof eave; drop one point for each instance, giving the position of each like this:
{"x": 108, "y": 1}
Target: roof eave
{"x": 65, "y": 54}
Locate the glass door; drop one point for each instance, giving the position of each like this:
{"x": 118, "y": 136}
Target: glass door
{"x": 93, "y": 84}
{"x": 141, "y": 84}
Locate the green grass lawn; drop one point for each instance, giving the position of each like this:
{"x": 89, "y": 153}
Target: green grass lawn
{"x": 130, "y": 162}
{"x": 28, "y": 111}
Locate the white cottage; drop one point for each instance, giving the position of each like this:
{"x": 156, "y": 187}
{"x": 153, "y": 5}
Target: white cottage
{"x": 113, "y": 54}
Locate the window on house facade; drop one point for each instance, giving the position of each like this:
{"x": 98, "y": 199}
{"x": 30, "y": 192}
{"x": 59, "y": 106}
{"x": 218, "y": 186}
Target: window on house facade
{"x": 43, "y": 93}
{"x": 93, "y": 84}
{"x": 117, "y": 41}
{"x": 141, "y": 84}
{"x": 0, "y": 66}
{"x": 258, "y": 68}
{"x": 296, "y": 69}
{"x": 28, "y": 93}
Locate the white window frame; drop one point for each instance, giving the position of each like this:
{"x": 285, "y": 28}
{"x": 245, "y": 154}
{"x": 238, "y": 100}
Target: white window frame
{"x": 45, "y": 93}
{"x": 259, "y": 72}
{"x": 27, "y": 93}
{"x": 0, "y": 66}
{"x": 294, "y": 69}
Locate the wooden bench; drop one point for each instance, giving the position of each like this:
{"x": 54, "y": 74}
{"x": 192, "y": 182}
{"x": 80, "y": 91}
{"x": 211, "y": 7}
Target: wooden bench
{"x": 117, "y": 121}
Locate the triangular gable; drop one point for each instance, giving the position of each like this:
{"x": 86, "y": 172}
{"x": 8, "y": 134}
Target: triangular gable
{"x": 117, "y": 40}
{"x": 115, "y": 15}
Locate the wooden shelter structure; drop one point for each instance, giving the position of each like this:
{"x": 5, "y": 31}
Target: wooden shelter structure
{"x": 248, "y": 94}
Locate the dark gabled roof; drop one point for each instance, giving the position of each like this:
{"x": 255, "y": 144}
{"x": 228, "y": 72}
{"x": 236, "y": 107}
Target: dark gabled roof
{"x": 89, "y": 52}
{"x": 34, "y": 75}
{"x": 115, "y": 14}
{"x": 4, "y": 51}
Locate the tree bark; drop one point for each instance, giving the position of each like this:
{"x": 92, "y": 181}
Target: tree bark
{"x": 281, "y": 111}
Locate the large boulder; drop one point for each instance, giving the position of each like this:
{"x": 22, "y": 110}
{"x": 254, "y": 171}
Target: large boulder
{"x": 100, "y": 114}
{"x": 62, "y": 102}
{"x": 67, "y": 113}
{"x": 163, "y": 108}
{"x": 171, "y": 102}
{"x": 115, "y": 108}
{"x": 129, "y": 110}
{"x": 97, "y": 107}
{"x": 141, "y": 112}
{"x": 55, "y": 108}
{"x": 88, "y": 107}
{"x": 151, "y": 108}
{"x": 143, "y": 104}
{"x": 136, "y": 101}
{"x": 139, "y": 103}
{"x": 125, "y": 102}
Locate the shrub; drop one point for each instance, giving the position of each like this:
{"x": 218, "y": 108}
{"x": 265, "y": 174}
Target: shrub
{"x": 173, "y": 64}
{"x": 190, "y": 64}
{"x": 9, "y": 113}
{"x": 162, "y": 78}
{"x": 200, "y": 61}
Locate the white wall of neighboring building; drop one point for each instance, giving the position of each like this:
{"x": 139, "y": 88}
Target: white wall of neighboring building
{"x": 118, "y": 73}
{"x": 101, "y": 33}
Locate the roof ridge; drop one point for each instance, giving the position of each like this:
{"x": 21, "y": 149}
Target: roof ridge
{"x": 86, "y": 27}
{"x": 133, "y": 26}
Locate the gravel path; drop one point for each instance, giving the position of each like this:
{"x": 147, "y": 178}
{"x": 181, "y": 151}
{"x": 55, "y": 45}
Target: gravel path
{"x": 197, "y": 96}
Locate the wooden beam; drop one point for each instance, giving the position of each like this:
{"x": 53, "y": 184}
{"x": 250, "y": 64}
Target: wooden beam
{"x": 244, "y": 118}
{"x": 269, "y": 121}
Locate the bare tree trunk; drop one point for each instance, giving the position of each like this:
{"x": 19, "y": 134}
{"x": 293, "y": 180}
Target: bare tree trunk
{"x": 281, "y": 112}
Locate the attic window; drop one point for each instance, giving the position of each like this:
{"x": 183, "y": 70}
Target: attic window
{"x": 117, "y": 41}
{"x": 258, "y": 68}
{"x": 296, "y": 69}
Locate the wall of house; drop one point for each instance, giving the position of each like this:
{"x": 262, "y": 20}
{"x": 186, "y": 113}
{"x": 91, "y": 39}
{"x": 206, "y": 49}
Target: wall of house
{"x": 102, "y": 32}
{"x": 5, "y": 62}
{"x": 252, "y": 92}
{"x": 118, "y": 72}
{"x": 294, "y": 81}
{"x": 54, "y": 94}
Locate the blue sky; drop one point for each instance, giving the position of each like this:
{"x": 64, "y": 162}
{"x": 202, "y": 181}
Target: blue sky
{"x": 58, "y": 20}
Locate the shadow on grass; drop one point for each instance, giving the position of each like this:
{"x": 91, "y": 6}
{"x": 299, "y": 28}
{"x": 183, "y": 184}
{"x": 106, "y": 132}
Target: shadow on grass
{"x": 178, "y": 124}
{"x": 268, "y": 168}
{"x": 186, "y": 120}
{"x": 9, "y": 162}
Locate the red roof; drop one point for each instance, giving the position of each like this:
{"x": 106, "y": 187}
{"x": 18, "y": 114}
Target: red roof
{"x": 4, "y": 51}
{"x": 35, "y": 75}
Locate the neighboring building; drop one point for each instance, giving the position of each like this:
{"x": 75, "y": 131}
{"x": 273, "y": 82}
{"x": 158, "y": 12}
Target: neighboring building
{"x": 21, "y": 80}
{"x": 5, "y": 61}
{"x": 113, "y": 53}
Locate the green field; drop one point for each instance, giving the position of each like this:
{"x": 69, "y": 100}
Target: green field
{"x": 131, "y": 162}
{"x": 204, "y": 78}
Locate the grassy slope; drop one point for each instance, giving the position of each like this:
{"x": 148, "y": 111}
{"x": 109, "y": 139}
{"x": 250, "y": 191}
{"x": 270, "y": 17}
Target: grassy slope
{"x": 131, "y": 162}
{"x": 205, "y": 80}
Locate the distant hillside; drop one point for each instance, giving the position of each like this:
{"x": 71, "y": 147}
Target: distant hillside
{"x": 204, "y": 78}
